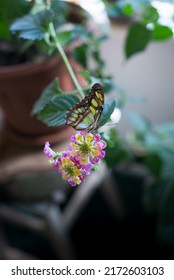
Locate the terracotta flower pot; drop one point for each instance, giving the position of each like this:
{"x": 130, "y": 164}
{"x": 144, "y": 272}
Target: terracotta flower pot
{"x": 20, "y": 86}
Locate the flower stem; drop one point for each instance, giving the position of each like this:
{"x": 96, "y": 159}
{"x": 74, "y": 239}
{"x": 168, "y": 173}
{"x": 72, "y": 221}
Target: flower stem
{"x": 65, "y": 59}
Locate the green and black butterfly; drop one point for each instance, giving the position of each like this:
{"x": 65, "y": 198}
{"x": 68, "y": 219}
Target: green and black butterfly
{"x": 86, "y": 114}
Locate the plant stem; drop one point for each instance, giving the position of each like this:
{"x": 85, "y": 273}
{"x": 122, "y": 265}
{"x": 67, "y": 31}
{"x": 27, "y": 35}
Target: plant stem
{"x": 65, "y": 59}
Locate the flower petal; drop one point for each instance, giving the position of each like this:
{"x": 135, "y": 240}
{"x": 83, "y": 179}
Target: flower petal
{"x": 48, "y": 151}
{"x": 97, "y": 137}
{"x": 102, "y": 154}
{"x": 102, "y": 144}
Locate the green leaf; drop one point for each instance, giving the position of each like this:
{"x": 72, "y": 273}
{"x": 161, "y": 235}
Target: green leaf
{"x": 106, "y": 81}
{"x": 137, "y": 39}
{"x": 86, "y": 75}
{"x": 33, "y": 26}
{"x": 149, "y": 15}
{"x": 97, "y": 57}
{"x": 166, "y": 129}
{"x": 154, "y": 163}
{"x": 115, "y": 155}
{"x": 140, "y": 123}
{"x": 107, "y": 111}
{"x": 116, "y": 149}
{"x": 161, "y": 32}
{"x": 128, "y": 10}
{"x": 4, "y": 28}
{"x": 9, "y": 11}
{"x": 48, "y": 95}
{"x": 55, "y": 111}
{"x": 80, "y": 54}
{"x": 64, "y": 37}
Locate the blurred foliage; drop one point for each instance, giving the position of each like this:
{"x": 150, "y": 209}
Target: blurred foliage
{"x": 116, "y": 150}
{"x": 144, "y": 23}
{"x": 150, "y": 144}
{"x": 152, "y": 147}
{"x": 9, "y": 11}
{"x": 137, "y": 39}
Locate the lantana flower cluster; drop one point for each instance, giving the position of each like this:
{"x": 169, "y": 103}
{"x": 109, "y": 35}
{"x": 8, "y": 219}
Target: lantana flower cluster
{"x": 83, "y": 154}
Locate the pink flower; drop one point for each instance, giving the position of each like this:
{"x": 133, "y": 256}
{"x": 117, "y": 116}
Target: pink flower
{"x": 48, "y": 151}
{"x": 71, "y": 170}
{"x": 83, "y": 155}
{"x": 51, "y": 155}
{"x": 87, "y": 148}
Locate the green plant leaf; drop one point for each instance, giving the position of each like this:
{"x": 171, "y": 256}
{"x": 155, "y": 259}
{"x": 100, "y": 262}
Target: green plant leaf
{"x": 161, "y": 32}
{"x": 86, "y": 75}
{"x": 106, "y": 81}
{"x": 128, "y": 10}
{"x": 166, "y": 129}
{"x": 116, "y": 149}
{"x": 9, "y": 11}
{"x": 4, "y": 28}
{"x": 137, "y": 39}
{"x": 64, "y": 37}
{"x": 48, "y": 95}
{"x": 98, "y": 59}
{"x": 33, "y": 26}
{"x": 140, "y": 123}
{"x": 107, "y": 111}
{"x": 149, "y": 15}
{"x": 154, "y": 163}
{"x": 55, "y": 111}
{"x": 80, "y": 54}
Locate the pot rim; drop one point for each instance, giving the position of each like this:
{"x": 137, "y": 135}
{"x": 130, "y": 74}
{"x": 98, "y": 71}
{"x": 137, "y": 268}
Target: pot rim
{"x": 29, "y": 67}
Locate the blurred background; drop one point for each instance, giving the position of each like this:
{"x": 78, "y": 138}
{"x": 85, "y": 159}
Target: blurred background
{"x": 125, "y": 209}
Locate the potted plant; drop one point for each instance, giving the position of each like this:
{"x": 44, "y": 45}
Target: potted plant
{"x": 41, "y": 29}
{"x": 29, "y": 62}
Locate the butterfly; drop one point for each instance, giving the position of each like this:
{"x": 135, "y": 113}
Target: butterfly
{"x": 86, "y": 114}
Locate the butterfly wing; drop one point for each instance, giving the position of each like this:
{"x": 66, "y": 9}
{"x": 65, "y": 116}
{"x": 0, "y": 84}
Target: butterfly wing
{"x": 86, "y": 114}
